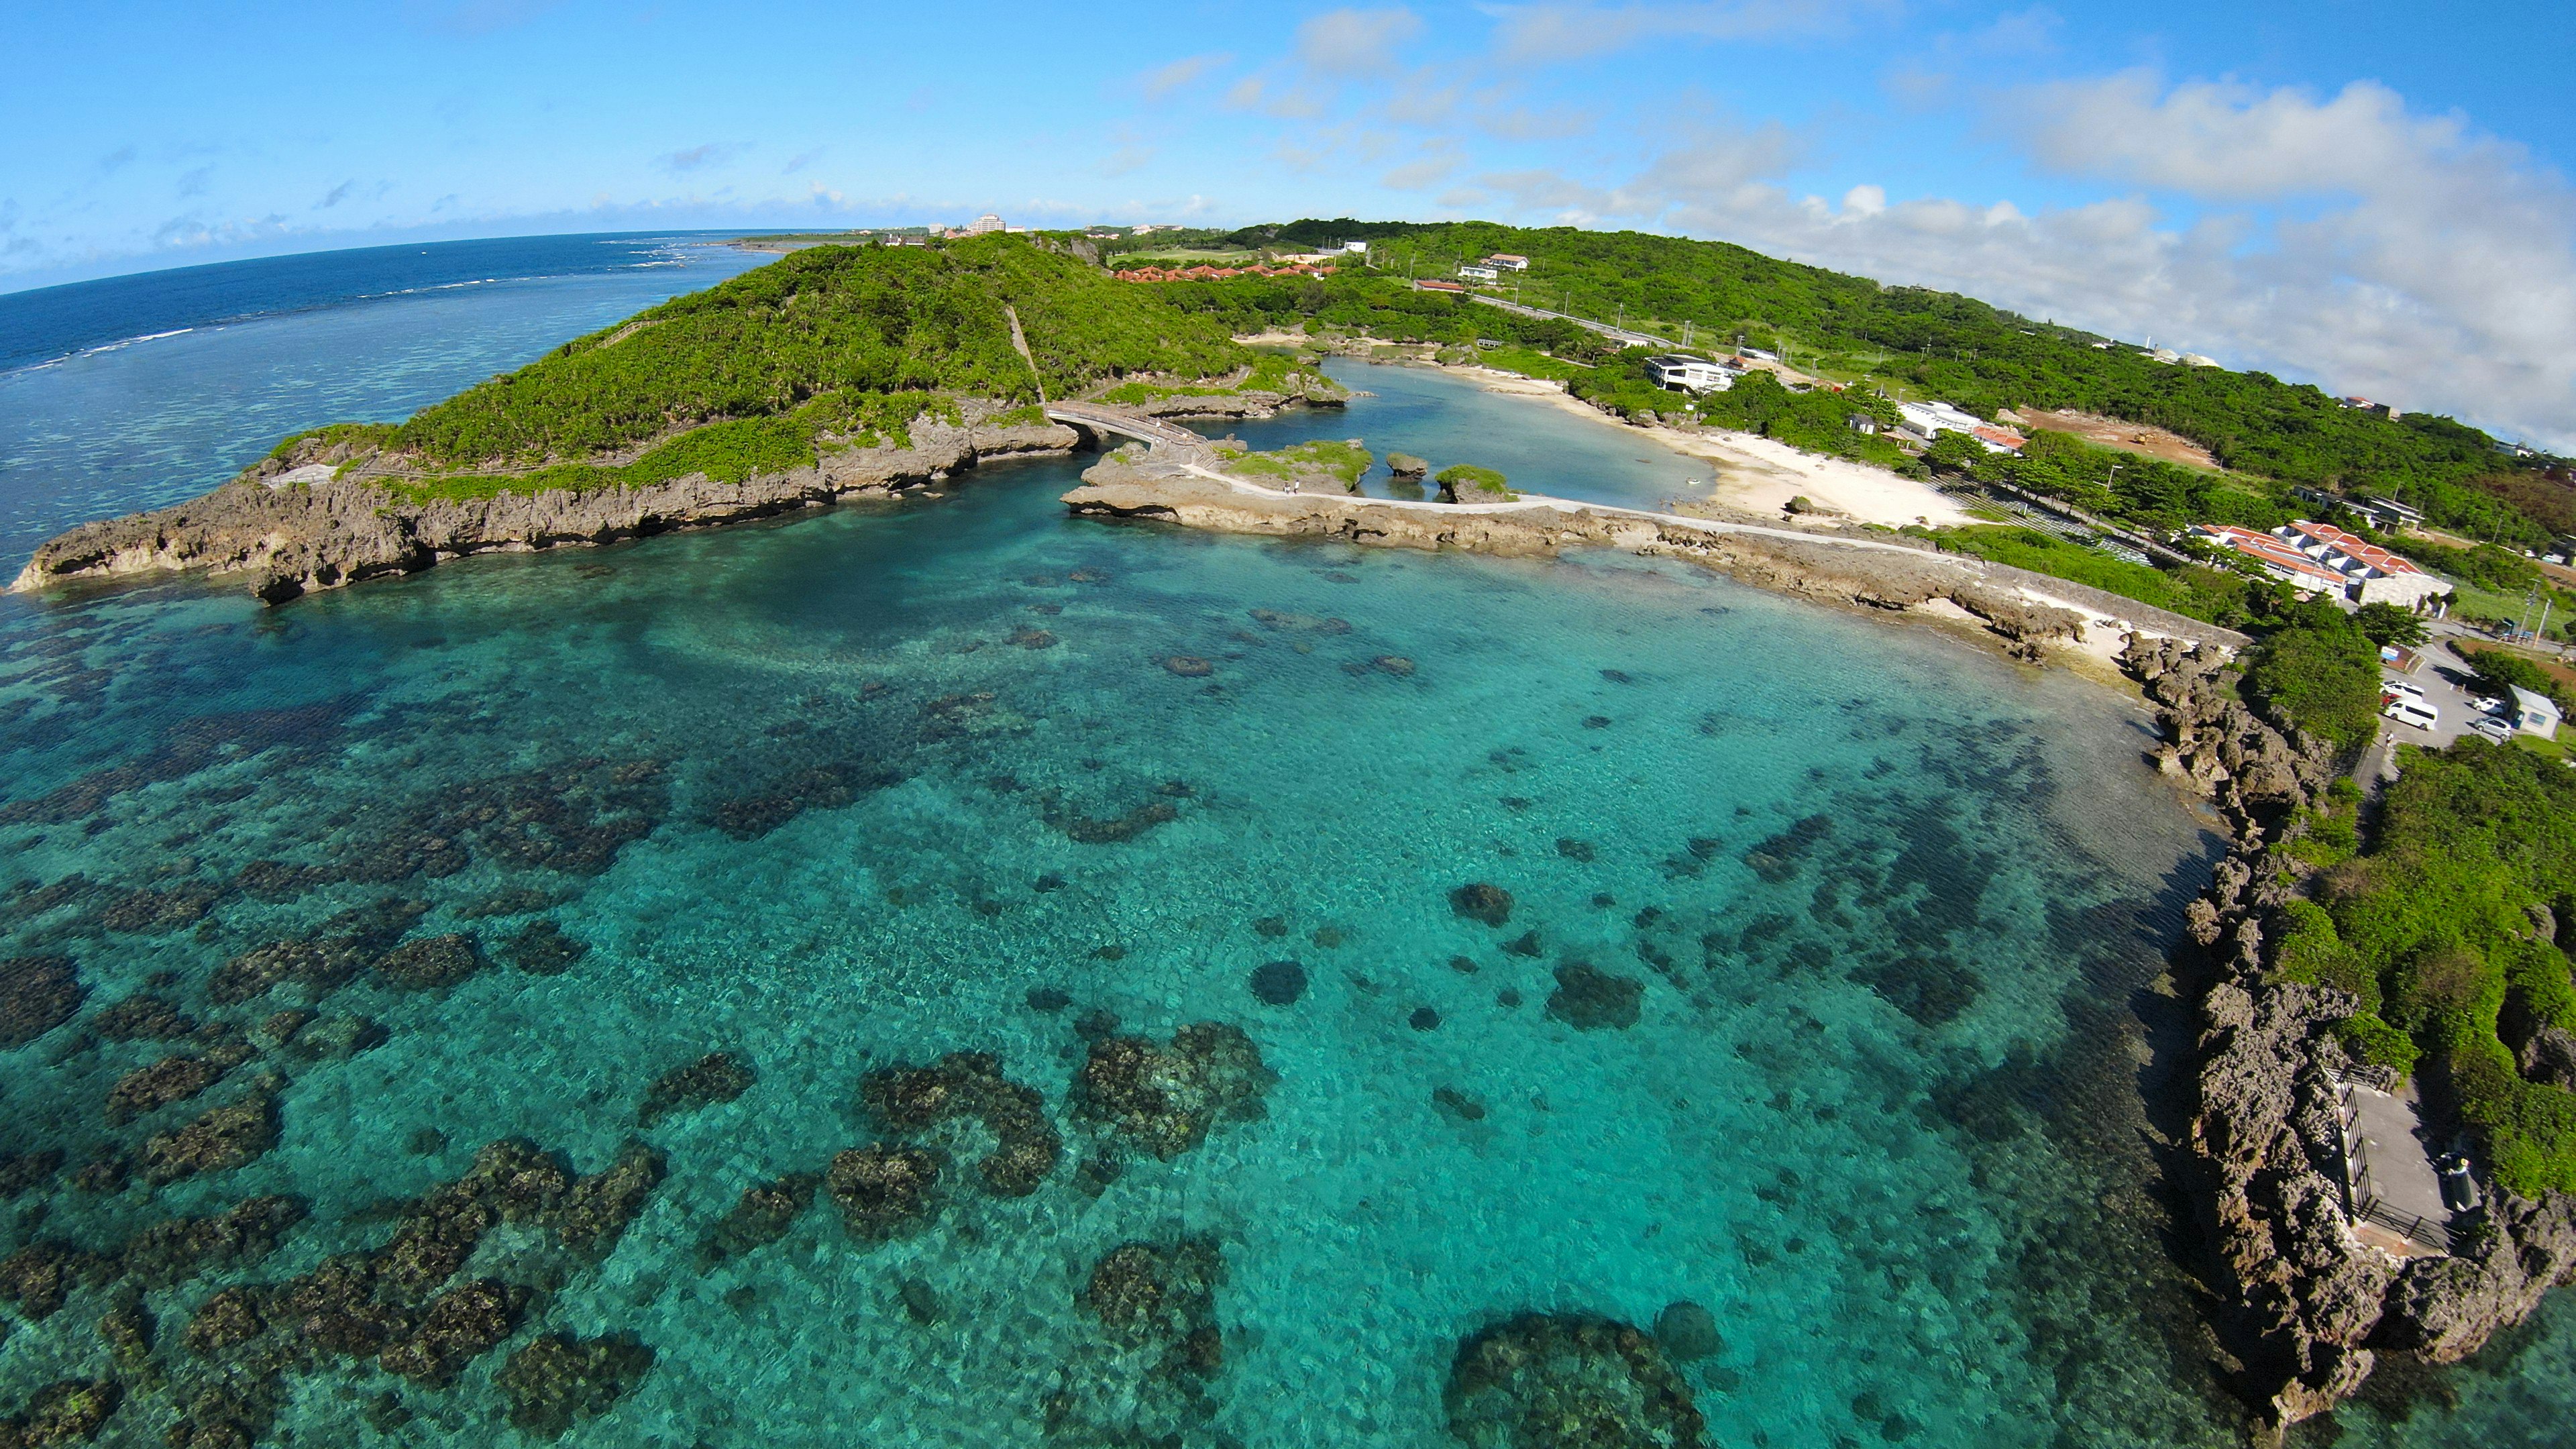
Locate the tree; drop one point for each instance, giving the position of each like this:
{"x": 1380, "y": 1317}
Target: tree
{"x": 2386, "y": 624}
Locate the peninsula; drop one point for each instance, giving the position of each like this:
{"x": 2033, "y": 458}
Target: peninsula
{"x": 833, "y": 373}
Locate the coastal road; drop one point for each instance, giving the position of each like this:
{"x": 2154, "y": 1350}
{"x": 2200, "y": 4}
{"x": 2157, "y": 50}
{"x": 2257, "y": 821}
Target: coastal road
{"x": 1620, "y": 335}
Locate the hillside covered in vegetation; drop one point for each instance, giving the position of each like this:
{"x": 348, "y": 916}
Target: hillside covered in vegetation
{"x": 828, "y": 342}
{"x": 1908, "y": 339}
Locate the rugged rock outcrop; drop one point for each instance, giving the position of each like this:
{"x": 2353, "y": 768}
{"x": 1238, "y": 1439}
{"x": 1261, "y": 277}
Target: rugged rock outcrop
{"x": 293, "y": 537}
{"x": 2026, "y": 610}
{"x": 2303, "y": 1307}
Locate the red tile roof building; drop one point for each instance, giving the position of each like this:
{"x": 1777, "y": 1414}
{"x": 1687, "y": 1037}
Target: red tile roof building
{"x": 2318, "y": 557}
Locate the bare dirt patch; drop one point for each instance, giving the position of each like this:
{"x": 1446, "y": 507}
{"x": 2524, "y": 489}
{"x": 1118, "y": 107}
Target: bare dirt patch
{"x": 2129, "y": 437}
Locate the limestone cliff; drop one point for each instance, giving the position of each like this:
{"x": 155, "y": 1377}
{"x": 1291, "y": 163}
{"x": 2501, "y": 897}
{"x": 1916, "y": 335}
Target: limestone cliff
{"x": 289, "y": 536}
{"x": 2304, "y": 1306}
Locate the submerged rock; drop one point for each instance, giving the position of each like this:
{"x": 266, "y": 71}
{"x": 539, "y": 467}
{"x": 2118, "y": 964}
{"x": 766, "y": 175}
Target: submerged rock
{"x": 176, "y": 1249}
{"x": 1478, "y": 901}
{"x": 1688, "y": 1331}
{"x": 1167, "y": 1099}
{"x": 1589, "y": 999}
{"x": 1278, "y": 983}
{"x": 542, "y": 949}
{"x": 715, "y": 1077}
{"x": 1555, "y": 1381}
{"x": 37, "y": 994}
{"x": 558, "y": 1380}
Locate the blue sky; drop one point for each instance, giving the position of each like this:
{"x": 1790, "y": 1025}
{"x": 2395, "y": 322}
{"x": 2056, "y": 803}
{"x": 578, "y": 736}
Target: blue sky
{"x": 2374, "y": 196}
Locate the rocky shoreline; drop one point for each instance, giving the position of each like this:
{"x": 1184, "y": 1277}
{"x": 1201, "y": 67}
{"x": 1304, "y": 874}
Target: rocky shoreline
{"x": 2304, "y": 1308}
{"x": 2030, "y": 613}
{"x": 292, "y": 536}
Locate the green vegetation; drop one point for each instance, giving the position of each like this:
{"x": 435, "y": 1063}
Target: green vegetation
{"x": 2320, "y": 673}
{"x": 820, "y": 337}
{"x": 2389, "y": 624}
{"x": 2059, "y": 558}
{"x": 2445, "y": 928}
{"x": 2499, "y": 672}
{"x": 1912, "y": 342}
{"x": 2146, "y": 493}
{"x": 1463, "y": 479}
{"x": 1343, "y": 463}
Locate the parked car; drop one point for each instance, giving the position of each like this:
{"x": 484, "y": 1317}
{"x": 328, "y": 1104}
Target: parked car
{"x": 2493, "y": 728}
{"x": 2411, "y": 712}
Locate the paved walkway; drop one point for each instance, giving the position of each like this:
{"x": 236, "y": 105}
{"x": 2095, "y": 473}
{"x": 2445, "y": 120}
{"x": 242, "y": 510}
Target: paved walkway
{"x": 2396, "y": 1165}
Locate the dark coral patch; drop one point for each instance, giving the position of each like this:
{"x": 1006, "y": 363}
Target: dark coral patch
{"x": 1543, "y": 1380}
{"x": 715, "y": 1077}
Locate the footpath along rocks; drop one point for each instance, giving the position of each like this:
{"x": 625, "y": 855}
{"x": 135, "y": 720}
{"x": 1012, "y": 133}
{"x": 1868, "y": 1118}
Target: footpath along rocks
{"x": 2304, "y": 1310}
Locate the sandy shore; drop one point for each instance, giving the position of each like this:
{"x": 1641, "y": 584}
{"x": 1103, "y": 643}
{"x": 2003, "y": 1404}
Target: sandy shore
{"x": 1757, "y": 475}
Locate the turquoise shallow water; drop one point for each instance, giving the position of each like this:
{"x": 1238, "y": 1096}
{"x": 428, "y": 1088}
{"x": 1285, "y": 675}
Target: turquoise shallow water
{"x": 897, "y": 781}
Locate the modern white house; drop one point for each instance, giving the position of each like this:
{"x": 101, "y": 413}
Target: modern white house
{"x": 1934, "y": 418}
{"x": 1508, "y": 261}
{"x": 1676, "y": 373}
{"x": 1360, "y": 247}
{"x": 2534, "y": 714}
{"x": 1477, "y": 272}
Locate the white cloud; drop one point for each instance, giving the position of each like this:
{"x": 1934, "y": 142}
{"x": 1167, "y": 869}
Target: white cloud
{"x": 1165, "y": 79}
{"x": 1355, "y": 42}
{"x": 696, "y": 158}
{"x": 2343, "y": 239}
{"x": 1557, "y": 32}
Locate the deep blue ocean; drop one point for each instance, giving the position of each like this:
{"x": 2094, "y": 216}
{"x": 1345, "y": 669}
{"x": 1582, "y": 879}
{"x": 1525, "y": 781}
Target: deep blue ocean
{"x": 1365, "y": 950}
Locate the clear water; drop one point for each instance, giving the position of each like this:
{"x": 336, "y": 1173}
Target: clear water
{"x": 874, "y": 831}
{"x": 142, "y": 391}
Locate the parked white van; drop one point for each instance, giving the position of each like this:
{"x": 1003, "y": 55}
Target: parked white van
{"x": 2413, "y": 712}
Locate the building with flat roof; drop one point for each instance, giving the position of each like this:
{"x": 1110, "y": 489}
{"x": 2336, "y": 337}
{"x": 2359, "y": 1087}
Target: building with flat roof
{"x": 1476, "y": 272}
{"x": 1676, "y": 373}
{"x": 2534, "y": 714}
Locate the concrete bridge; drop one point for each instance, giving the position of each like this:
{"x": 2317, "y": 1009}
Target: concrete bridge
{"x": 1154, "y": 433}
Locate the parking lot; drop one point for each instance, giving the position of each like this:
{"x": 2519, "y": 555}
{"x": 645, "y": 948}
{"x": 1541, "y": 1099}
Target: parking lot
{"x": 2444, "y": 680}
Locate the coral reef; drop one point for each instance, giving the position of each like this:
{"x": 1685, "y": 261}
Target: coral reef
{"x": 222, "y": 1139}
{"x": 715, "y": 1077}
{"x": 557, "y": 1380}
{"x": 1549, "y": 1381}
{"x": 431, "y": 962}
{"x": 37, "y": 994}
{"x": 912, "y": 1100}
{"x": 1167, "y": 1099}
{"x": 1144, "y": 1381}
{"x": 71, "y": 1411}
{"x": 884, "y": 1192}
{"x": 762, "y": 1216}
{"x": 1590, "y": 999}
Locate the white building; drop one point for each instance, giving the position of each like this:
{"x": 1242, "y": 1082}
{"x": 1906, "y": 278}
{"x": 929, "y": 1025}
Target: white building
{"x": 1474, "y": 272}
{"x": 1360, "y": 247}
{"x": 984, "y": 224}
{"x": 1508, "y": 261}
{"x": 1676, "y": 373}
{"x": 2375, "y": 575}
{"x": 2533, "y": 714}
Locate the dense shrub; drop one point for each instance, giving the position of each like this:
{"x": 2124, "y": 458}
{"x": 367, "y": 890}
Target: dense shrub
{"x": 2442, "y": 910}
{"x": 2319, "y": 673}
